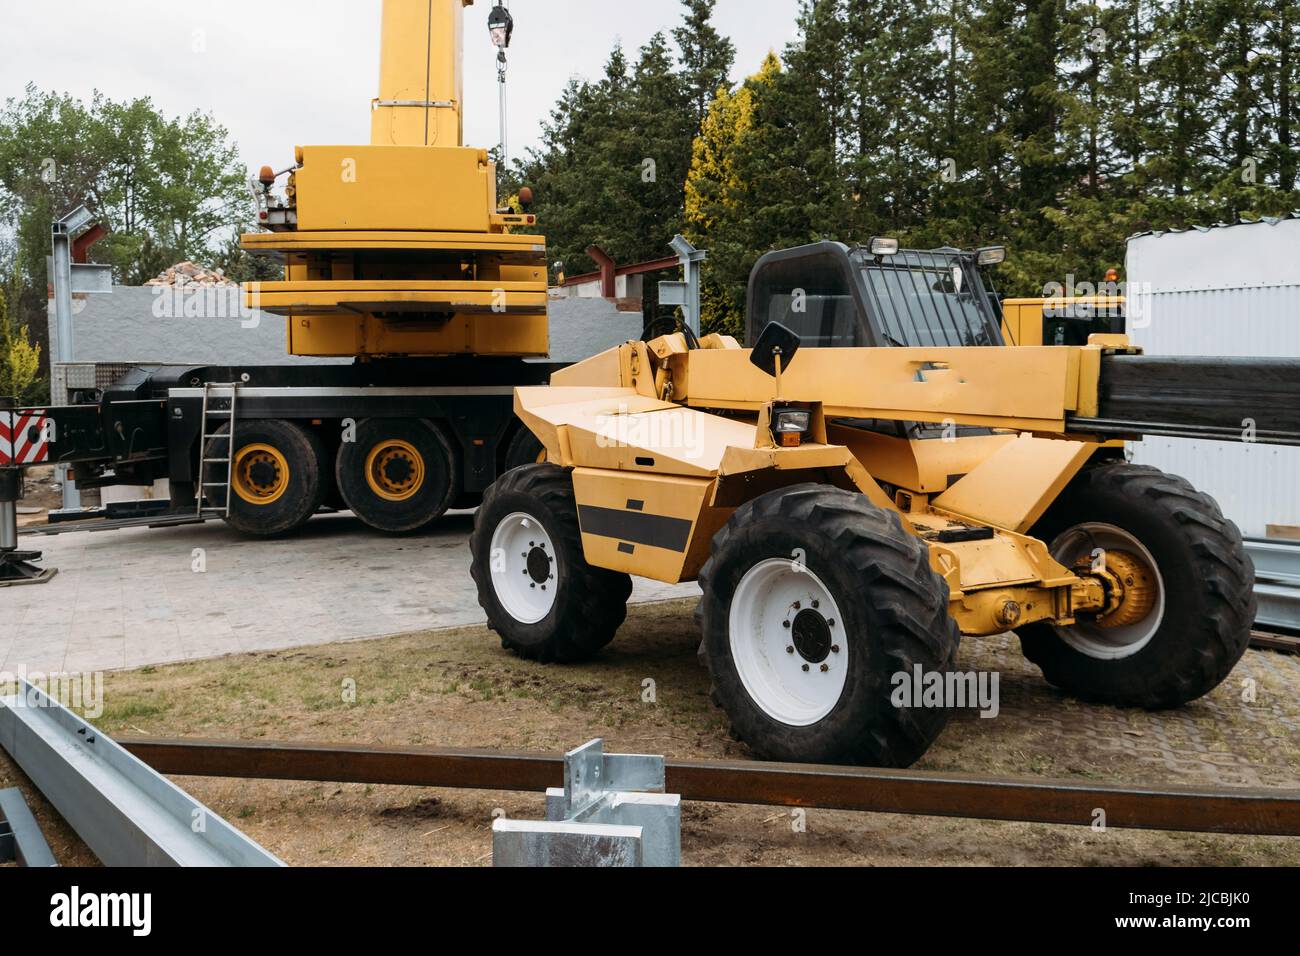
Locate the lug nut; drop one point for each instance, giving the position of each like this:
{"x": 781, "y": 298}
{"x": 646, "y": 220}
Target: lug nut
{"x": 835, "y": 648}
{"x": 805, "y": 668}
{"x": 831, "y": 622}
{"x": 789, "y": 650}
{"x": 825, "y": 668}
{"x": 786, "y": 625}
{"x": 816, "y": 605}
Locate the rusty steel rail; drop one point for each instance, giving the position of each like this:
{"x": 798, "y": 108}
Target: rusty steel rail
{"x": 1283, "y": 643}
{"x": 922, "y": 793}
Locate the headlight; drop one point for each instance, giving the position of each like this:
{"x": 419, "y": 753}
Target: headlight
{"x": 789, "y": 425}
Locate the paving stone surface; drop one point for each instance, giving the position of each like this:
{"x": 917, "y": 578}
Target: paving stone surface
{"x": 124, "y": 599}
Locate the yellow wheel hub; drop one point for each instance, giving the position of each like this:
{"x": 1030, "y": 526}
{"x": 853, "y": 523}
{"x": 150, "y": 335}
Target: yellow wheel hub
{"x": 1137, "y": 587}
{"x": 395, "y": 470}
{"x": 260, "y": 474}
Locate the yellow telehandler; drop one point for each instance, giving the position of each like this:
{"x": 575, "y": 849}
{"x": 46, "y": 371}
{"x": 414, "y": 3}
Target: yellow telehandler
{"x": 874, "y": 479}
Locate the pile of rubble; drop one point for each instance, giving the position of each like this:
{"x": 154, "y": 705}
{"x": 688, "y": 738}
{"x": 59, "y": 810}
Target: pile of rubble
{"x": 187, "y": 274}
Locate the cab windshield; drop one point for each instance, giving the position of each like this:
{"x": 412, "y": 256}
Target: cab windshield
{"x": 928, "y": 299}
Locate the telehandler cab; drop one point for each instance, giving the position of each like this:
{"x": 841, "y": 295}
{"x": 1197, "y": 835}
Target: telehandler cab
{"x": 876, "y": 478}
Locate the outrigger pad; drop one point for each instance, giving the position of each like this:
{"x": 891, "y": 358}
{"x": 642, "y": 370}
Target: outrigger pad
{"x": 775, "y": 340}
{"x": 17, "y": 568}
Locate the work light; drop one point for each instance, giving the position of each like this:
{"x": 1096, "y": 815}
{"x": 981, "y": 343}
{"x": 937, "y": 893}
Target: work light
{"x": 880, "y": 246}
{"x": 991, "y": 256}
{"x": 501, "y": 25}
{"x": 790, "y": 425}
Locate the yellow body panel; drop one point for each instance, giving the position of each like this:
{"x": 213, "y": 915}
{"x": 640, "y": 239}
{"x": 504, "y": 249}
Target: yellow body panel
{"x": 507, "y": 246}
{"x": 1038, "y": 468}
{"x": 1023, "y": 319}
{"x": 1023, "y": 389}
{"x": 394, "y": 189}
{"x": 662, "y": 533}
{"x": 462, "y": 334}
{"x": 326, "y": 298}
{"x": 926, "y": 467}
{"x": 681, "y": 469}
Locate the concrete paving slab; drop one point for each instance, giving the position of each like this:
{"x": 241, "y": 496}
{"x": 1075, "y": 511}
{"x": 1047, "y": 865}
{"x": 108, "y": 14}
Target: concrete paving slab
{"x": 139, "y": 596}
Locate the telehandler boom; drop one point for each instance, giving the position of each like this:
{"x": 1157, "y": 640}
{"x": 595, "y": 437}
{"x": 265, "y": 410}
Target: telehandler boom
{"x": 876, "y": 478}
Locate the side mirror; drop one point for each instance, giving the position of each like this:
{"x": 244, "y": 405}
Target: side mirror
{"x": 775, "y": 341}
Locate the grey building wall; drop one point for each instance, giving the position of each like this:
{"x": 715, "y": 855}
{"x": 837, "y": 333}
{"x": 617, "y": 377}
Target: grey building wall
{"x": 159, "y": 326}
{"x": 1234, "y": 291}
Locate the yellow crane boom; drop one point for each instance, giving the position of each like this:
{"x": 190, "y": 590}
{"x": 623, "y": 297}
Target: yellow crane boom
{"x": 421, "y": 81}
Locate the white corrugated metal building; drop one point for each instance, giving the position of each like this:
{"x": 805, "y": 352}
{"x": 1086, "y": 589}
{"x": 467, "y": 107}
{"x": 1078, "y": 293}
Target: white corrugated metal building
{"x": 1230, "y": 290}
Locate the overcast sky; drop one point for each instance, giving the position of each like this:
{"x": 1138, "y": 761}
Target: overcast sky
{"x": 279, "y": 73}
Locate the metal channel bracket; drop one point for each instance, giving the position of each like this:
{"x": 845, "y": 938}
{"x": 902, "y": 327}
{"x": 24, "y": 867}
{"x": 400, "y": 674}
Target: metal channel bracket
{"x": 127, "y": 814}
{"x": 21, "y": 840}
{"x": 1277, "y": 581}
{"x": 611, "y": 812}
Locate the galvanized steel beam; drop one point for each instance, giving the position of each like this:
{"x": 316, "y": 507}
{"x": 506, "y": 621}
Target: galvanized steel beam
{"x": 1277, "y": 581}
{"x": 125, "y": 812}
{"x": 21, "y": 840}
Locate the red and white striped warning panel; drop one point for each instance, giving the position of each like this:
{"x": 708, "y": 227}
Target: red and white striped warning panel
{"x": 24, "y": 437}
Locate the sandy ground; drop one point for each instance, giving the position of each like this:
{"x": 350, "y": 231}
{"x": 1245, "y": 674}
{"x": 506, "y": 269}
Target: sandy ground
{"x": 458, "y": 688}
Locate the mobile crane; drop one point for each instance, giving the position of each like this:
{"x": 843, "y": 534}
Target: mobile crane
{"x": 398, "y": 256}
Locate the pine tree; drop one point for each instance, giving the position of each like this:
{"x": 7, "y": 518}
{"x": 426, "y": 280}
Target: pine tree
{"x": 894, "y": 112}
{"x": 1279, "y": 84}
{"x": 706, "y": 57}
{"x": 718, "y": 200}
{"x": 657, "y": 150}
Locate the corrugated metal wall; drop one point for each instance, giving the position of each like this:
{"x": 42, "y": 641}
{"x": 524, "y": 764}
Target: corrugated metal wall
{"x": 1183, "y": 304}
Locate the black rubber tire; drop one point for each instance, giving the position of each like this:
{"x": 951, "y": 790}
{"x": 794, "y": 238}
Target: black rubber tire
{"x": 305, "y": 455}
{"x": 525, "y": 448}
{"x": 590, "y": 603}
{"x": 434, "y": 496}
{"x": 1209, "y": 585}
{"x": 881, "y": 579}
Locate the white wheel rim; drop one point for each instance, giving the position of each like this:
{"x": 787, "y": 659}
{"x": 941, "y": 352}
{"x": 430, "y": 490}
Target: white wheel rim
{"x": 782, "y": 667}
{"x": 524, "y": 568}
{"x": 1090, "y": 638}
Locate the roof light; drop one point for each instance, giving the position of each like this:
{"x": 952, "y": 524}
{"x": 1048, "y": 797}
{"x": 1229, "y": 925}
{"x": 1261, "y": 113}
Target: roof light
{"x": 880, "y": 246}
{"x": 991, "y": 256}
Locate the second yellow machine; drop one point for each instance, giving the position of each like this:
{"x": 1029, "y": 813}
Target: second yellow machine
{"x": 876, "y": 478}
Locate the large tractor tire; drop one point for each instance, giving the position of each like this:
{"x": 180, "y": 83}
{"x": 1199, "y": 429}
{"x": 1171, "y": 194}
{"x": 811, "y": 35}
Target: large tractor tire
{"x": 814, "y": 599}
{"x": 1189, "y": 601}
{"x": 398, "y": 475}
{"x": 525, "y": 448}
{"x": 277, "y": 479}
{"x": 540, "y": 594}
